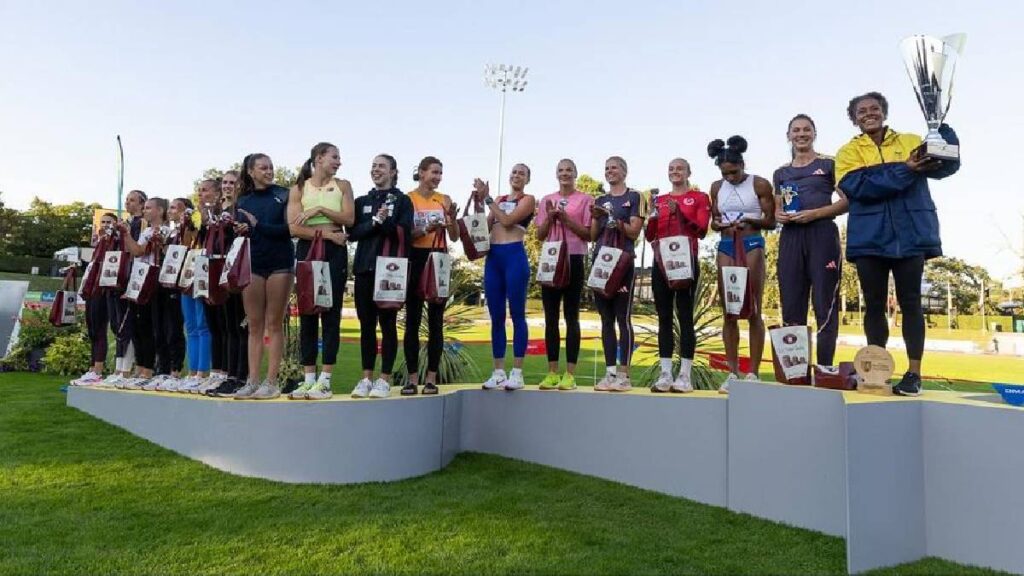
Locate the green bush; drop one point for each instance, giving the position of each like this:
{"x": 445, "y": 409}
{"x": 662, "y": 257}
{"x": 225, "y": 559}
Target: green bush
{"x": 35, "y": 333}
{"x": 68, "y": 355}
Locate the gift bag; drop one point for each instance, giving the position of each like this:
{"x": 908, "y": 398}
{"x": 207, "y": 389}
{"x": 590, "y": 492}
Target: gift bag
{"x": 201, "y": 276}
{"x": 610, "y": 267}
{"x": 791, "y": 354}
{"x": 65, "y": 301}
{"x": 391, "y": 277}
{"x": 437, "y": 273}
{"x": 143, "y": 282}
{"x": 842, "y": 377}
{"x": 313, "y": 280}
{"x": 170, "y": 270}
{"x": 237, "y": 271}
{"x": 117, "y": 265}
{"x": 91, "y": 276}
{"x": 673, "y": 253}
{"x": 215, "y": 293}
{"x": 553, "y": 263}
{"x": 474, "y": 233}
{"x": 739, "y": 300}
{"x": 188, "y": 271}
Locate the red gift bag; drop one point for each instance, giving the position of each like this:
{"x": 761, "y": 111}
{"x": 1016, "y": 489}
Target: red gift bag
{"x": 215, "y": 252}
{"x": 237, "y": 268}
{"x": 116, "y": 266}
{"x": 673, "y": 253}
{"x": 473, "y": 233}
{"x": 313, "y": 280}
{"x": 611, "y": 265}
{"x": 65, "y": 301}
{"x": 91, "y": 276}
{"x": 736, "y": 284}
{"x": 437, "y": 272}
{"x": 791, "y": 354}
{"x": 391, "y": 275}
{"x": 553, "y": 263}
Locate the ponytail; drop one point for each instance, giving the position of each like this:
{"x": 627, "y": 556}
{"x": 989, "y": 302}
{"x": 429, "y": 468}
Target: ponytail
{"x": 306, "y": 171}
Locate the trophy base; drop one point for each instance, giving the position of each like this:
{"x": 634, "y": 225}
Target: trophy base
{"x": 939, "y": 151}
{"x": 875, "y": 389}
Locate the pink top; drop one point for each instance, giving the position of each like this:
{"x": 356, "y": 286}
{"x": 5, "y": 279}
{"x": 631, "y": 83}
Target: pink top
{"x": 578, "y": 208}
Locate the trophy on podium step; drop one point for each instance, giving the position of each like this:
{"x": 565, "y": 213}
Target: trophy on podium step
{"x": 874, "y": 365}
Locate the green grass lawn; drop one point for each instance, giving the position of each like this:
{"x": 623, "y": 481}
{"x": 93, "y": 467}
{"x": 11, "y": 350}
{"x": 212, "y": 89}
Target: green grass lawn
{"x": 35, "y": 283}
{"x": 78, "y": 496}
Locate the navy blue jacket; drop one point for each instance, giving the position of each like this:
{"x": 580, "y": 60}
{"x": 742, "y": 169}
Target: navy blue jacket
{"x": 892, "y": 214}
{"x": 270, "y": 242}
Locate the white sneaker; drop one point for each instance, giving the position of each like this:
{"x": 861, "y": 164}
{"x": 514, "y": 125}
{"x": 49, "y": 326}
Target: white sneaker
{"x": 751, "y": 377}
{"x": 211, "y": 382}
{"x": 172, "y": 384}
{"x": 90, "y": 378}
{"x": 497, "y": 380}
{"x": 110, "y": 381}
{"x": 515, "y": 381}
{"x": 153, "y": 384}
{"x": 246, "y": 392}
{"x": 134, "y": 383}
{"x": 120, "y": 382}
{"x": 380, "y": 389}
{"x": 606, "y": 383}
{"x": 724, "y": 388}
{"x": 362, "y": 389}
{"x": 621, "y": 384}
{"x": 663, "y": 383}
{"x": 682, "y": 383}
{"x": 189, "y": 384}
{"x": 266, "y": 391}
{"x": 321, "y": 390}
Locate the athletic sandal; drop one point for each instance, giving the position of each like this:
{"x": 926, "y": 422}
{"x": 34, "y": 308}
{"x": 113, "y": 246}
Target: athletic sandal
{"x": 430, "y": 389}
{"x": 409, "y": 389}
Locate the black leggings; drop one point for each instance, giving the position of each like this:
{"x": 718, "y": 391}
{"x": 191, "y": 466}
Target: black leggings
{"x": 168, "y": 330}
{"x": 414, "y": 315}
{"x": 329, "y": 321}
{"x": 682, "y": 300}
{"x": 369, "y": 315}
{"x": 143, "y": 336}
{"x": 216, "y": 321}
{"x": 96, "y": 321}
{"x": 614, "y": 311}
{"x": 873, "y": 273}
{"x": 122, "y": 323}
{"x": 552, "y": 299}
{"x": 237, "y": 338}
{"x": 810, "y": 265}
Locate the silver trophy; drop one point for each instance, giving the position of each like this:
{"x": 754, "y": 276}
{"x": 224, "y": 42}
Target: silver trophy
{"x": 611, "y": 216}
{"x": 931, "y": 63}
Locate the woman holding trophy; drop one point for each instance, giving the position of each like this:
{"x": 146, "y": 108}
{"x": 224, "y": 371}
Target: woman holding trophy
{"x": 383, "y": 214}
{"x": 684, "y": 212}
{"x": 507, "y": 273}
{"x": 564, "y": 216}
{"x": 893, "y": 226}
{"x": 433, "y": 215}
{"x": 741, "y": 206}
{"x": 810, "y": 257}
{"x": 321, "y": 203}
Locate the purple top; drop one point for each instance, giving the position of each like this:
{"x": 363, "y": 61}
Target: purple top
{"x": 806, "y": 187}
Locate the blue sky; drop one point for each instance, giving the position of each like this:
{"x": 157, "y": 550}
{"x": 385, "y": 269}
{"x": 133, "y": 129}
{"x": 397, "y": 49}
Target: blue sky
{"x": 192, "y": 84}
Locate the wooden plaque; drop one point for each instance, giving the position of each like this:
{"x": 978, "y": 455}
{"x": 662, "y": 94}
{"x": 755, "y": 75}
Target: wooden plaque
{"x": 875, "y": 365}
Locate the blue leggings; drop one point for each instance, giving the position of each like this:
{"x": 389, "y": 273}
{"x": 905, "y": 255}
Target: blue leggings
{"x": 506, "y": 277}
{"x": 197, "y": 334}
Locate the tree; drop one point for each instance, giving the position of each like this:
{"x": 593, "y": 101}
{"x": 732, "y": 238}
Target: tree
{"x": 8, "y": 222}
{"x": 585, "y": 183}
{"x": 849, "y": 284}
{"x": 964, "y": 280}
{"x": 772, "y": 298}
{"x": 45, "y": 228}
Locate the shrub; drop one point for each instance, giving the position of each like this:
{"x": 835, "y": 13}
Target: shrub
{"x": 68, "y": 355}
{"x": 35, "y": 334}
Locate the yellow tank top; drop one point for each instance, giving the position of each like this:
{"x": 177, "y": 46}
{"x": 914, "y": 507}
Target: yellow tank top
{"x": 328, "y": 196}
{"x": 425, "y": 211}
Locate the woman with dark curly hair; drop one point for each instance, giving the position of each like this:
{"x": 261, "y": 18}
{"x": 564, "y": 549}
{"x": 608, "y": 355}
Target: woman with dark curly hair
{"x": 741, "y": 206}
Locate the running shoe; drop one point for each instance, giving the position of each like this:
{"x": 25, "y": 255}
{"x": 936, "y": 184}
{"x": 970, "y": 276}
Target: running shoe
{"x": 515, "y": 382}
{"x": 362, "y": 389}
{"x": 246, "y": 392}
{"x": 605, "y": 384}
{"x": 266, "y": 391}
{"x": 380, "y": 389}
{"x": 90, "y": 378}
{"x": 568, "y": 382}
{"x": 497, "y": 380}
{"x": 682, "y": 383}
{"x": 300, "y": 392}
{"x": 663, "y": 383}
{"x": 550, "y": 382}
{"x": 621, "y": 384}
{"x": 321, "y": 390}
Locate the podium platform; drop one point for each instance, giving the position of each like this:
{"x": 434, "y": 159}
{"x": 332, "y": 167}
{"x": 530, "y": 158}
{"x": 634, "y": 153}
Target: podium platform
{"x": 898, "y": 478}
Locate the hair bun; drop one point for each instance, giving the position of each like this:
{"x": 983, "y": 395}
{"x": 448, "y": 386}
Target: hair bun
{"x": 715, "y": 147}
{"x": 738, "y": 144}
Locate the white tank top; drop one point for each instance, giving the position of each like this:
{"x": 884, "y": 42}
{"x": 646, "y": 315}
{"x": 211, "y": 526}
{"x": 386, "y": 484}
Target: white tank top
{"x": 735, "y": 202}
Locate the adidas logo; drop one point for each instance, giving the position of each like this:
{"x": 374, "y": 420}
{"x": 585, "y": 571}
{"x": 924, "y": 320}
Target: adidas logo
{"x": 818, "y": 172}
{"x": 831, "y": 265}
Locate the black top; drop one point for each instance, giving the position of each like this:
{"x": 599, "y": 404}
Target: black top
{"x": 370, "y": 234}
{"x": 270, "y": 241}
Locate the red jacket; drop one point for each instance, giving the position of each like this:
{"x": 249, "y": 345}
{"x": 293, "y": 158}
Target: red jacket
{"x": 695, "y": 207}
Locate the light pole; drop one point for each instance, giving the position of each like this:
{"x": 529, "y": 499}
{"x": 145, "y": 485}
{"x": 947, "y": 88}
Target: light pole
{"x": 504, "y": 78}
